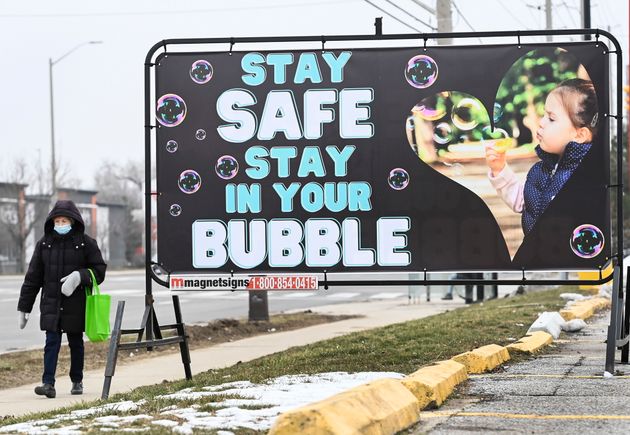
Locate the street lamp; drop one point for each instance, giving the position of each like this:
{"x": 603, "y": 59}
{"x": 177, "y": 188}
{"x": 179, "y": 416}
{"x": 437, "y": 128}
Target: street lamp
{"x": 52, "y": 63}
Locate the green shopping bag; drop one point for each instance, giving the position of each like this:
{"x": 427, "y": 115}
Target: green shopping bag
{"x": 96, "y": 312}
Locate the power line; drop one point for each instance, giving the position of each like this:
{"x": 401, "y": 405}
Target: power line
{"x": 464, "y": 18}
{"x": 512, "y": 15}
{"x": 392, "y": 16}
{"x": 568, "y": 8}
{"x": 190, "y": 11}
{"x": 411, "y": 15}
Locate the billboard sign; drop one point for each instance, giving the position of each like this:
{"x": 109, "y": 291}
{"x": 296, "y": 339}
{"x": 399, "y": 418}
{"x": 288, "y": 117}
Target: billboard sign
{"x": 383, "y": 159}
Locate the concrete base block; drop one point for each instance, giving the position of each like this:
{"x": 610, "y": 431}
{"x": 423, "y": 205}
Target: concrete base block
{"x": 483, "y": 359}
{"x": 380, "y": 407}
{"x": 433, "y": 384}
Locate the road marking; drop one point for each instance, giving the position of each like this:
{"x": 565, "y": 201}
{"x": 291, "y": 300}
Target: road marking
{"x": 123, "y": 278}
{"x": 388, "y": 295}
{"x": 123, "y": 292}
{"x": 442, "y": 414}
{"x": 343, "y": 295}
{"x": 213, "y": 294}
{"x": 295, "y": 294}
{"x": 543, "y": 376}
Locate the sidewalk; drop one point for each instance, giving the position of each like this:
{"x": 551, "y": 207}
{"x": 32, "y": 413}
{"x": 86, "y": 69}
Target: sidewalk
{"x": 562, "y": 391}
{"x": 22, "y": 400}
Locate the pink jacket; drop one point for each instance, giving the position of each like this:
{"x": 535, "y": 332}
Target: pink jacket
{"x": 509, "y": 187}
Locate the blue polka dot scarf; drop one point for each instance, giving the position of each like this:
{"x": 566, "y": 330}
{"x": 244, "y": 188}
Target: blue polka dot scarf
{"x": 546, "y": 178}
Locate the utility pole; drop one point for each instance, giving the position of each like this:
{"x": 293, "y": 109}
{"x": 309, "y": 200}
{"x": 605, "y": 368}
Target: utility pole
{"x": 548, "y": 18}
{"x": 586, "y": 17}
{"x": 444, "y": 20}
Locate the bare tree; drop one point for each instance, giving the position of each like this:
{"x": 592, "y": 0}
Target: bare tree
{"x": 122, "y": 184}
{"x": 16, "y": 218}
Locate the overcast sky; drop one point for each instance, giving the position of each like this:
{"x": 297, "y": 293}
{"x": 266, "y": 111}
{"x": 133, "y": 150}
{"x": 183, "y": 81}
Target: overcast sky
{"x": 99, "y": 88}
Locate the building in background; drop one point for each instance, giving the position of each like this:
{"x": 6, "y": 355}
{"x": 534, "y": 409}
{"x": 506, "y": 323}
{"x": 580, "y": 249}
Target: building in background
{"x": 22, "y": 219}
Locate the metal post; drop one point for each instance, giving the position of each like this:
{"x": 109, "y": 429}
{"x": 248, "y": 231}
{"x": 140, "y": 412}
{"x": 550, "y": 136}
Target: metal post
{"x": 626, "y": 320}
{"x": 611, "y": 338}
{"x": 586, "y": 17}
{"x": 112, "y": 354}
{"x": 378, "y": 26}
{"x": 183, "y": 345}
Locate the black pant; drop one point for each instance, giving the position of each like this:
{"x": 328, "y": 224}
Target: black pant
{"x": 51, "y": 353}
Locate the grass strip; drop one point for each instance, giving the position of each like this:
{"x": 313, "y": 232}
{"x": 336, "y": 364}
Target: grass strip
{"x": 25, "y": 367}
{"x": 402, "y": 347}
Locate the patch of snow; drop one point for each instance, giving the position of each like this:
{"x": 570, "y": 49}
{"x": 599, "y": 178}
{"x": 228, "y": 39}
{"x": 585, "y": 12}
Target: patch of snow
{"x": 123, "y": 406}
{"x": 574, "y": 325}
{"x": 273, "y": 396}
{"x": 280, "y": 394}
{"x": 165, "y": 423}
{"x": 572, "y": 296}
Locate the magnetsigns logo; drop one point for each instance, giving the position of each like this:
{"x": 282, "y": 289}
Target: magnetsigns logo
{"x": 230, "y": 282}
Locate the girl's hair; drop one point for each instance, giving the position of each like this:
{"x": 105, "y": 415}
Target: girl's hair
{"x": 580, "y": 101}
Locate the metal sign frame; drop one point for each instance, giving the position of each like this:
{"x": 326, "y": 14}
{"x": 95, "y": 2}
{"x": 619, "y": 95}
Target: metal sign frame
{"x": 149, "y": 322}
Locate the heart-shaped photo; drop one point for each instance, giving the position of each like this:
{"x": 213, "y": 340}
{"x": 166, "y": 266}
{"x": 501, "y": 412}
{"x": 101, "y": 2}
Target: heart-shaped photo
{"x": 517, "y": 156}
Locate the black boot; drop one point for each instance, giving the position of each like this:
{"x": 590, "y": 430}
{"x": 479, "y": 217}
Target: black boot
{"x": 77, "y": 388}
{"x": 47, "y": 390}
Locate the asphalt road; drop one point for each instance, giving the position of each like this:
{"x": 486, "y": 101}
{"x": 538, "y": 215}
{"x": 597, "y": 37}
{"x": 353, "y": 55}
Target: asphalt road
{"x": 560, "y": 392}
{"x": 198, "y": 306}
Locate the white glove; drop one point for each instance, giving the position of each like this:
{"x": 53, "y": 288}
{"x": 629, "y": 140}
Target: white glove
{"x": 70, "y": 283}
{"x": 22, "y": 319}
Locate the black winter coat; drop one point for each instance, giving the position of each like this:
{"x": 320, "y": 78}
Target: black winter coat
{"x": 54, "y": 257}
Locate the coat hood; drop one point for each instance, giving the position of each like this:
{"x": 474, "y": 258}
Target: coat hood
{"x": 68, "y": 209}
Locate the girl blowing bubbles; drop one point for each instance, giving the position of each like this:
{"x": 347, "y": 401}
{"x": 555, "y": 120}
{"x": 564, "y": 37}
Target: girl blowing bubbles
{"x": 565, "y": 135}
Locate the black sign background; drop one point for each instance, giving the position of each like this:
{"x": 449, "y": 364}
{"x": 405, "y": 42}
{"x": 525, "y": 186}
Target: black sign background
{"x": 452, "y": 228}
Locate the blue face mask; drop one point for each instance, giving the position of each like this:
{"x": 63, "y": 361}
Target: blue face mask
{"x": 63, "y": 229}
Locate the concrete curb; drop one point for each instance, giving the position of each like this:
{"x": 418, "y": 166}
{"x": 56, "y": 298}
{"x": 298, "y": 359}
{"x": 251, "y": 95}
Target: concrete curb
{"x": 584, "y": 309}
{"x": 388, "y": 406}
{"x": 433, "y": 384}
{"x": 484, "y": 358}
{"x": 380, "y": 407}
{"x": 531, "y": 343}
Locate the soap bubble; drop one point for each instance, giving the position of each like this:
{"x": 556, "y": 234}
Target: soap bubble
{"x": 226, "y": 167}
{"x": 175, "y": 210}
{"x": 398, "y": 179}
{"x": 432, "y": 108}
{"x": 171, "y": 110}
{"x": 200, "y": 134}
{"x": 466, "y": 113}
{"x": 587, "y": 241}
{"x": 497, "y": 112}
{"x": 421, "y": 71}
{"x": 201, "y": 71}
{"x": 189, "y": 181}
{"x": 488, "y": 134}
{"x": 442, "y": 133}
{"x": 171, "y": 146}
{"x": 456, "y": 168}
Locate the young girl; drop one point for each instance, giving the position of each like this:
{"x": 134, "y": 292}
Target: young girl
{"x": 565, "y": 135}
{"x": 59, "y": 267}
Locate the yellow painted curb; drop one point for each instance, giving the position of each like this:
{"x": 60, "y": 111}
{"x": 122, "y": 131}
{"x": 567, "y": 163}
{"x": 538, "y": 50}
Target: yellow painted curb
{"x": 593, "y": 276}
{"x": 531, "y": 343}
{"x": 384, "y": 406}
{"x": 483, "y": 359}
{"x": 585, "y": 308}
{"x": 431, "y": 385}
